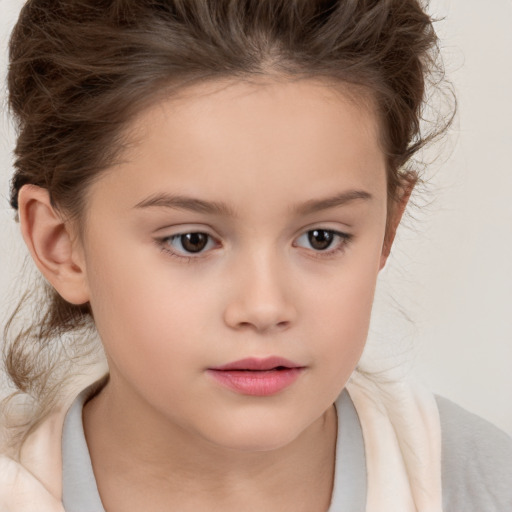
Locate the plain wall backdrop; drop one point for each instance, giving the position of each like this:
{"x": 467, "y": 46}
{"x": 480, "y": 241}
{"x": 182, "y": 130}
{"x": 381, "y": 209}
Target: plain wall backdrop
{"x": 444, "y": 302}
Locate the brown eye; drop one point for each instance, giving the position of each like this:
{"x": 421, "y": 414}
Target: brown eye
{"x": 188, "y": 247}
{"x": 325, "y": 243}
{"x": 320, "y": 239}
{"x": 193, "y": 242}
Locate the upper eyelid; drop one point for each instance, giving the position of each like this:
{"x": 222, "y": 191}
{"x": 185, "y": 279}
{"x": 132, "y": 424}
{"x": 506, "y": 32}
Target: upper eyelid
{"x": 205, "y": 232}
{"x": 344, "y": 236}
{"x": 181, "y": 233}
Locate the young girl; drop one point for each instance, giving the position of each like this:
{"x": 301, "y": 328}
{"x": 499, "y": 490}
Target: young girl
{"x": 213, "y": 187}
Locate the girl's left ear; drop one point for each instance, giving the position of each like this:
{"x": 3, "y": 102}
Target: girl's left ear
{"x": 395, "y": 215}
{"x": 52, "y": 244}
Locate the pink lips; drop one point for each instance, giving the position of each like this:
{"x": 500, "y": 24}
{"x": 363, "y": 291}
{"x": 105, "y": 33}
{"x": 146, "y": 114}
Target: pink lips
{"x": 257, "y": 377}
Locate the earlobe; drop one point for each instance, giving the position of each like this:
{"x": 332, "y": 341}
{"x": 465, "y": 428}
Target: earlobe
{"x": 396, "y": 214}
{"x": 51, "y": 246}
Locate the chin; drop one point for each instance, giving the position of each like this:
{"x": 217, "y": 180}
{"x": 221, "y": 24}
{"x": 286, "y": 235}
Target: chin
{"x": 254, "y": 437}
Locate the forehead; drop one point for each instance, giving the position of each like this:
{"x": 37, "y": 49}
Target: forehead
{"x": 246, "y": 141}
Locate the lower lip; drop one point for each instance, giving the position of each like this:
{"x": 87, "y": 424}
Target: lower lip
{"x": 257, "y": 383}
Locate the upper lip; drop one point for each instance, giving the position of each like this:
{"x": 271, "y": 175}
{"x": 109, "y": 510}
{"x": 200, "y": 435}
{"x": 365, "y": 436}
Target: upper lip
{"x": 253, "y": 363}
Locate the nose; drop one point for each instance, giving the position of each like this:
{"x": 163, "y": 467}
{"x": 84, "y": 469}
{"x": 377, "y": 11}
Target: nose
{"x": 260, "y": 297}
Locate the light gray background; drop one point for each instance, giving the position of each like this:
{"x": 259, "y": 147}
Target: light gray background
{"x": 443, "y": 309}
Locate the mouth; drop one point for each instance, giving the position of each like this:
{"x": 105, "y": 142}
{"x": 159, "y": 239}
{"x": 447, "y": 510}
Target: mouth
{"x": 255, "y": 364}
{"x": 257, "y": 377}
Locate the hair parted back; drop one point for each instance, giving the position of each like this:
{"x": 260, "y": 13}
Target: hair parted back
{"x": 80, "y": 70}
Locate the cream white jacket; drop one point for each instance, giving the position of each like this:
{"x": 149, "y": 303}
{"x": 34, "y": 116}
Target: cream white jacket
{"x": 402, "y": 437}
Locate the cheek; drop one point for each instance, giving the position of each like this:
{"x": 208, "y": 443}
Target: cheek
{"x": 142, "y": 314}
{"x": 346, "y": 317}
{"x": 343, "y": 312}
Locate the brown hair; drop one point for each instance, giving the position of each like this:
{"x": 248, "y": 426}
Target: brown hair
{"x": 81, "y": 69}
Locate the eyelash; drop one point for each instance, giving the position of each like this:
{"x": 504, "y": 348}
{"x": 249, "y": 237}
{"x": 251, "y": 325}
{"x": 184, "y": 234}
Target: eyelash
{"x": 346, "y": 238}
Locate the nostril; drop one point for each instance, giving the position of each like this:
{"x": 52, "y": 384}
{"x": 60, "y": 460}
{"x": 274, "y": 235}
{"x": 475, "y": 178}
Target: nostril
{"x": 262, "y": 317}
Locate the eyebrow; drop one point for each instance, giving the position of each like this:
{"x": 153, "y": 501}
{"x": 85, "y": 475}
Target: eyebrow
{"x": 317, "y": 205}
{"x": 181, "y": 202}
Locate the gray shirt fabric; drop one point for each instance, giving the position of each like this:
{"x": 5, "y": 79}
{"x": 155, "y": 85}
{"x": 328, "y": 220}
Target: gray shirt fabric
{"x": 476, "y": 462}
{"x": 79, "y": 491}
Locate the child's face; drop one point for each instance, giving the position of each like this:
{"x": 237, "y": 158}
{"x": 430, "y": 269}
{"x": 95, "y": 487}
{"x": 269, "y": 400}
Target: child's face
{"x": 255, "y": 168}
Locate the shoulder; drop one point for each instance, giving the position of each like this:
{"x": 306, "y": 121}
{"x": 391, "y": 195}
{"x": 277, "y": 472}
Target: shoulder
{"x": 476, "y": 462}
{"x": 20, "y": 489}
